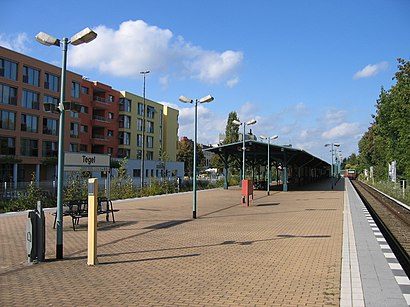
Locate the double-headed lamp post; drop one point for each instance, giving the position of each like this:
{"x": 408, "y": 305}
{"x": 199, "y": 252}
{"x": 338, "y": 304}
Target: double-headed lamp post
{"x": 184, "y": 99}
{"x": 268, "y": 138}
{"x": 143, "y": 130}
{"x": 244, "y": 124}
{"x": 84, "y": 36}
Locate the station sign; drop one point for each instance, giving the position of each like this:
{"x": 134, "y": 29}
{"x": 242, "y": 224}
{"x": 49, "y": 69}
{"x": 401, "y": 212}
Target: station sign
{"x": 86, "y": 162}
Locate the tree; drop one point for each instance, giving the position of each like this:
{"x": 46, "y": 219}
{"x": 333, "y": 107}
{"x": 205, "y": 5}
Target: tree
{"x": 231, "y": 130}
{"x": 388, "y": 138}
{"x": 186, "y": 154}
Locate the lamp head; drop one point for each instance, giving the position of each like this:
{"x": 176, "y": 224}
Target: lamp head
{"x": 84, "y": 36}
{"x": 48, "y": 40}
{"x": 185, "y": 99}
{"x": 274, "y": 137}
{"x": 251, "y": 122}
{"x": 236, "y": 122}
{"x": 208, "y": 98}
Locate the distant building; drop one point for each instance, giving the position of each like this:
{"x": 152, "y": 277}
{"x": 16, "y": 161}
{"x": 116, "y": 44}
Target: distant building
{"x": 109, "y": 122}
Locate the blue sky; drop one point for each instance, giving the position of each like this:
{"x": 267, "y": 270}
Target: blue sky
{"x": 307, "y": 71}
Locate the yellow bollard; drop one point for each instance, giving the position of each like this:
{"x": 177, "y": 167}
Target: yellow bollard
{"x": 92, "y": 221}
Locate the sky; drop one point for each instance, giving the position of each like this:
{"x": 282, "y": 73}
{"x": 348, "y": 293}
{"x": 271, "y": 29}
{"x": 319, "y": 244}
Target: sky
{"x": 307, "y": 71}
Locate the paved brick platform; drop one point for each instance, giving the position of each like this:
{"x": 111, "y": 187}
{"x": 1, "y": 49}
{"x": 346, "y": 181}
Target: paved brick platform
{"x": 284, "y": 251}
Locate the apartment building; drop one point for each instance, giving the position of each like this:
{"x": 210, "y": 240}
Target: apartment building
{"x": 109, "y": 122}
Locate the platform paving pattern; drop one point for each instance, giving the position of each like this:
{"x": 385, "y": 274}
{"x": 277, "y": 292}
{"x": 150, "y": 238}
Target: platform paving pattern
{"x": 285, "y": 250}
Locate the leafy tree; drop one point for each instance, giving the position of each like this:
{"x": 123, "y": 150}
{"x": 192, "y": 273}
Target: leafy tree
{"x": 388, "y": 138}
{"x": 186, "y": 154}
{"x": 231, "y": 130}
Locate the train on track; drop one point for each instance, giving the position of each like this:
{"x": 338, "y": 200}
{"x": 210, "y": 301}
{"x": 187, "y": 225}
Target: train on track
{"x": 349, "y": 173}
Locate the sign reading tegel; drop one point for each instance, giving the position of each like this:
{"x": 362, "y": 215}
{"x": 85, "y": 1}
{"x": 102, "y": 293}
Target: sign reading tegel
{"x": 83, "y": 161}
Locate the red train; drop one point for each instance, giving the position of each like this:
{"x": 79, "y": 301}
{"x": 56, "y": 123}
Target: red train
{"x": 349, "y": 173}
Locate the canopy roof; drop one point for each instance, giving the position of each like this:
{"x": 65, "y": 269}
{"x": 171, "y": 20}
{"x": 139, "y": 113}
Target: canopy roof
{"x": 257, "y": 154}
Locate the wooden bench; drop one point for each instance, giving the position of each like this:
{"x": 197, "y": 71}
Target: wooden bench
{"x": 78, "y": 209}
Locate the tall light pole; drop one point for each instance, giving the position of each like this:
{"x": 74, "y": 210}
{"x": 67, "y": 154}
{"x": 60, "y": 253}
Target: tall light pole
{"x": 84, "y": 36}
{"x": 184, "y": 99}
{"x": 143, "y": 130}
{"x": 268, "y": 138}
{"x": 331, "y": 164}
{"x": 244, "y": 124}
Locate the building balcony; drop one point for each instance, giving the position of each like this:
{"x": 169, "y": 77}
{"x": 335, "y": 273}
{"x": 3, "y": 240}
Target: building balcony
{"x": 101, "y": 102}
{"x": 101, "y": 121}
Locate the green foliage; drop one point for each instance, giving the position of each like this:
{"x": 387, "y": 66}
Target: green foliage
{"x": 186, "y": 154}
{"x": 28, "y": 200}
{"x": 75, "y": 187}
{"x": 231, "y": 130}
{"x": 388, "y": 137}
{"x": 121, "y": 186}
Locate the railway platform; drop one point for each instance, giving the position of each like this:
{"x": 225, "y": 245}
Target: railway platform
{"x": 315, "y": 246}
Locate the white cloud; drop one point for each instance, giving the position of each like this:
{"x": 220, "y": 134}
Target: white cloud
{"x": 232, "y": 82}
{"x": 137, "y": 46}
{"x": 334, "y": 117}
{"x": 371, "y": 70}
{"x": 17, "y": 43}
{"x": 210, "y": 124}
{"x": 341, "y": 131}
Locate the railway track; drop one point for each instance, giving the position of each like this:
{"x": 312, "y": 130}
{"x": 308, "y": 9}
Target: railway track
{"x": 392, "y": 219}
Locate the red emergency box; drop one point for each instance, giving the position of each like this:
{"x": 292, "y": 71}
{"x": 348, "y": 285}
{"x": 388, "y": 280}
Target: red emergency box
{"x": 247, "y": 190}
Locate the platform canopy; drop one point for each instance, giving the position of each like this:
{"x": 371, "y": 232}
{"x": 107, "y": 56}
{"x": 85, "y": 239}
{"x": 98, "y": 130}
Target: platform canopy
{"x": 282, "y": 156}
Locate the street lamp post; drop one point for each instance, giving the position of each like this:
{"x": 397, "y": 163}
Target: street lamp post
{"x": 331, "y": 164}
{"x": 143, "y": 131}
{"x": 184, "y": 99}
{"x": 84, "y": 36}
{"x": 268, "y": 138}
{"x": 236, "y": 122}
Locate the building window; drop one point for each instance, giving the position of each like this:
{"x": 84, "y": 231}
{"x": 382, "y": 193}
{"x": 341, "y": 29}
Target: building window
{"x": 150, "y": 127}
{"x": 124, "y": 138}
{"x": 110, "y": 115}
{"x": 110, "y": 133}
{"x": 75, "y": 89}
{"x": 8, "y": 94}
{"x": 8, "y": 69}
{"x": 83, "y": 129}
{"x": 73, "y": 147}
{"x": 84, "y": 110}
{"x": 110, "y": 98}
{"x": 7, "y": 120}
{"x": 140, "y": 109}
{"x": 7, "y": 146}
{"x": 30, "y": 100}
{"x": 125, "y": 105}
{"x": 74, "y": 114}
{"x": 125, "y": 121}
{"x": 123, "y": 153}
{"x": 51, "y": 82}
{"x": 110, "y": 150}
{"x": 74, "y": 129}
{"x": 136, "y": 172}
{"x": 31, "y": 76}
{"x": 84, "y": 90}
{"x": 150, "y": 155}
{"x": 83, "y": 148}
{"x": 50, "y": 149}
{"x": 49, "y": 126}
{"x": 29, "y": 123}
{"x": 139, "y": 124}
{"x": 150, "y": 142}
{"x": 150, "y": 112}
{"x": 139, "y": 140}
{"x": 29, "y": 148}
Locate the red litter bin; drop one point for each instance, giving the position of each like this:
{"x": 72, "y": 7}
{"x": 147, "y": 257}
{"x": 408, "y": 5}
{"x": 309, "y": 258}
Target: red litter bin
{"x": 247, "y": 190}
